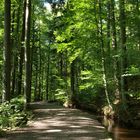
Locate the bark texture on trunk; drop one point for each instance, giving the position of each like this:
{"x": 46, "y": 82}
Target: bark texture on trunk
{"x": 7, "y": 50}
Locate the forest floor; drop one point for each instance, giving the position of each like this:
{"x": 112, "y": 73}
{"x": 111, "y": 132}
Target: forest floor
{"x": 54, "y": 122}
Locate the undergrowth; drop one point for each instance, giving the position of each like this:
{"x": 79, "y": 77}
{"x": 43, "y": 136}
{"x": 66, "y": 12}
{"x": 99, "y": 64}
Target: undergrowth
{"x": 12, "y": 114}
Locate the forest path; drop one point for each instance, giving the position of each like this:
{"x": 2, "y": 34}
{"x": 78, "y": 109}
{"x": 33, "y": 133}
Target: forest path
{"x": 54, "y": 122}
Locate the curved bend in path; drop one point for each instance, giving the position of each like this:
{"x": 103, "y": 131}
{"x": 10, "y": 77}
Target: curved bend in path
{"x": 54, "y": 122}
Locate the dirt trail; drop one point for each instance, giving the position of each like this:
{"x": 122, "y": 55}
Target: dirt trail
{"x": 54, "y": 122}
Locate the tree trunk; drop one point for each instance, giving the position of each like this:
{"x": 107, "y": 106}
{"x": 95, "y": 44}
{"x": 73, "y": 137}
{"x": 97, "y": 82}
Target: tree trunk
{"x": 123, "y": 47}
{"x": 108, "y": 31}
{"x": 7, "y": 50}
{"x": 72, "y": 78}
{"x": 115, "y": 51}
{"x": 15, "y": 45}
{"x": 48, "y": 74}
{"x": 138, "y": 23}
{"x": 13, "y": 69}
{"x": 100, "y": 28}
{"x": 66, "y": 73}
{"x": 27, "y": 53}
{"x": 21, "y": 53}
{"x": 36, "y": 83}
{"x": 40, "y": 70}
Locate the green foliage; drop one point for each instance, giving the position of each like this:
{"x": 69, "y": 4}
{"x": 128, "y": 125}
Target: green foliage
{"x": 90, "y": 80}
{"x": 133, "y": 70}
{"x": 12, "y": 113}
{"x": 60, "y": 96}
{"x": 71, "y": 33}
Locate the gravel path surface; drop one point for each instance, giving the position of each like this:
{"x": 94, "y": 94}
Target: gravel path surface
{"x": 54, "y": 122}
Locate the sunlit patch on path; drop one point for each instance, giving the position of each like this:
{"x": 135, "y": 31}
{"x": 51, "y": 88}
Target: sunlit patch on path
{"x": 54, "y": 122}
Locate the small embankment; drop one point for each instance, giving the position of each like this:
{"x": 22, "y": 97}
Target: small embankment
{"x": 54, "y": 122}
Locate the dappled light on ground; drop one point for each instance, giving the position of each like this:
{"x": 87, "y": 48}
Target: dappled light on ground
{"x": 53, "y": 122}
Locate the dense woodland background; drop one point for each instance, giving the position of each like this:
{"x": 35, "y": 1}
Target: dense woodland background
{"x": 82, "y": 53}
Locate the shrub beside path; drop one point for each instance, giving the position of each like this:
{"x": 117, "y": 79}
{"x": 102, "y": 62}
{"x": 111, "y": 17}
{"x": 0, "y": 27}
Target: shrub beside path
{"x": 54, "y": 122}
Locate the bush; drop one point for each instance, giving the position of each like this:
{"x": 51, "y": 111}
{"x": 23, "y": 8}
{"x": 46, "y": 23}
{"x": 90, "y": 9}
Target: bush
{"x": 12, "y": 114}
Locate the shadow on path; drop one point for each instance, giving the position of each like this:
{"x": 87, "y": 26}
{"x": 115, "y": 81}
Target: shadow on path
{"x": 54, "y": 122}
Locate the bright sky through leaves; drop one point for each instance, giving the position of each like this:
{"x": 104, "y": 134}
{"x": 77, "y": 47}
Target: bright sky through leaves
{"x": 48, "y": 6}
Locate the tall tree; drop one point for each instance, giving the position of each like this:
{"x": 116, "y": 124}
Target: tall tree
{"x": 72, "y": 78}
{"x": 123, "y": 46}
{"x": 27, "y": 53}
{"x": 21, "y": 51}
{"x": 15, "y": 43}
{"x": 103, "y": 52}
{"x": 115, "y": 50}
{"x": 7, "y": 50}
{"x": 47, "y": 73}
{"x": 138, "y": 22}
